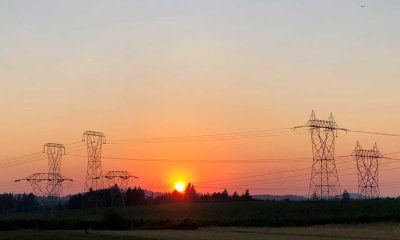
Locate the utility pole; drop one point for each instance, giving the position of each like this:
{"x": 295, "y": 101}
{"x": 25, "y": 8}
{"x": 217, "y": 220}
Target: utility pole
{"x": 324, "y": 181}
{"x": 367, "y": 169}
{"x": 94, "y": 142}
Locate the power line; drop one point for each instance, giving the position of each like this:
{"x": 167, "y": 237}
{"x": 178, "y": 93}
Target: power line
{"x": 374, "y": 133}
{"x": 257, "y": 182}
{"x": 262, "y": 181}
{"x": 195, "y": 139}
{"x": 210, "y": 135}
{"x": 223, "y": 184}
{"x": 250, "y": 176}
{"x": 29, "y": 155}
{"x": 21, "y": 163}
{"x": 261, "y": 160}
{"x": 39, "y": 157}
{"x": 76, "y": 146}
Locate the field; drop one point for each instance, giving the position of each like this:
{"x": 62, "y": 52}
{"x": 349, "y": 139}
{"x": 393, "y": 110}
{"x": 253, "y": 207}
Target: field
{"x": 285, "y": 220}
{"x": 193, "y": 215}
{"x": 338, "y": 232}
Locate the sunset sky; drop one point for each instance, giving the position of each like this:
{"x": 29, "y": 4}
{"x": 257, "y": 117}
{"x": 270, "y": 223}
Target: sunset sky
{"x": 148, "y": 69}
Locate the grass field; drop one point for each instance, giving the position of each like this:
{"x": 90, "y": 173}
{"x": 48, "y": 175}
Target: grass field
{"x": 239, "y": 214}
{"x": 338, "y": 232}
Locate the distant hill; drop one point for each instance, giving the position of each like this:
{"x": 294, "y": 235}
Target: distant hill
{"x": 354, "y": 195}
{"x": 279, "y": 197}
{"x": 291, "y": 197}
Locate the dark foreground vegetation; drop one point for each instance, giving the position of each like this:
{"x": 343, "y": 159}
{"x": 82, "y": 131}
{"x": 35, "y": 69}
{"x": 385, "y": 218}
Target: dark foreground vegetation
{"x": 63, "y": 235}
{"x": 132, "y": 209}
{"x": 192, "y": 215}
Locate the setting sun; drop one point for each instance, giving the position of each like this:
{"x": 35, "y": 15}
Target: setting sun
{"x": 179, "y": 186}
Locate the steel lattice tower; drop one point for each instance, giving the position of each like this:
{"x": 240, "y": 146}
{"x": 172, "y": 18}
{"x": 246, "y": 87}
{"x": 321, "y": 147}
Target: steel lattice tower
{"x": 117, "y": 181}
{"x": 49, "y": 184}
{"x": 324, "y": 182}
{"x": 54, "y": 152}
{"x": 118, "y": 178}
{"x": 94, "y": 141}
{"x": 367, "y": 169}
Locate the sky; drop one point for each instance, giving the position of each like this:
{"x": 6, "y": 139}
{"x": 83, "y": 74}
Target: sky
{"x": 148, "y": 69}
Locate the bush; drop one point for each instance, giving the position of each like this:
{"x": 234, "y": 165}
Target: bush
{"x": 114, "y": 221}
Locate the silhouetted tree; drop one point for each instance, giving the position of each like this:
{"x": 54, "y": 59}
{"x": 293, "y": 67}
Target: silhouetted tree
{"x": 235, "y": 197}
{"x": 135, "y": 196}
{"x": 246, "y": 196}
{"x": 176, "y": 196}
{"x": 7, "y": 202}
{"x": 75, "y": 201}
{"x": 27, "y": 203}
{"x": 190, "y": 193}
{"x": 345, "y": 195}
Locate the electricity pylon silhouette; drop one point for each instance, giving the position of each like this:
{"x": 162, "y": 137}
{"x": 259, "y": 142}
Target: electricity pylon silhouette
{"x": 49, "y": 184}
{"x": 94, "y": 142}
{"x": 367, "y": 169}
{"x": 54, "y": 152}
{"x": 117, "y": 181}
{"x": 324, "y": 181}
{"x": 118, "y": 178}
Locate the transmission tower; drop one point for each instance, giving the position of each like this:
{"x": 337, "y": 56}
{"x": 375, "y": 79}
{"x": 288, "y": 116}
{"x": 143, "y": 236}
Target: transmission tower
{"x": 46, "y": 184}
{"x": 324, "y": 182}
{"x": 94, "y": 142}
{"x": 118, "y": 178}
{"x": 54, "y": 154}
{"x": 117, "y": 181}
{"x": 54, "y": 151}
{"x": 367, "y": 169}
{"x": 49, "y": 184}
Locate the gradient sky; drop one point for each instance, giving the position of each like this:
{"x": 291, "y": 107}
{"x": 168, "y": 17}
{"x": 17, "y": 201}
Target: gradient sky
{"x": 139, "y": 69}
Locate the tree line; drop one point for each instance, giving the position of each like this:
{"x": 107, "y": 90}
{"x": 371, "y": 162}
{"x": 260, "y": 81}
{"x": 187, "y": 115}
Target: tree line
{"x": 113, "y": 197}
{"x": 18, "y": 203}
